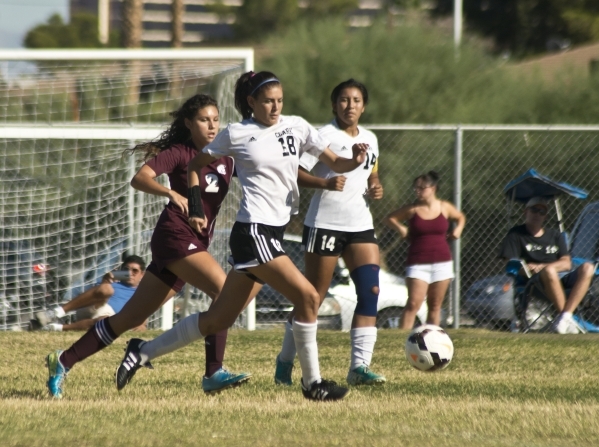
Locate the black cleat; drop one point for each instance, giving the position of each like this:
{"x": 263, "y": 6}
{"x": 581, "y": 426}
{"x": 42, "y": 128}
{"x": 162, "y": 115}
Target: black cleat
{"x": 130, "y": 363}
{"x": 326, "y": 390}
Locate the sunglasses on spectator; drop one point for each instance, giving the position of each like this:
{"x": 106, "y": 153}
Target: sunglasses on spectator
{"x": 538, "y": 210}
{"x": 421, "y": 188}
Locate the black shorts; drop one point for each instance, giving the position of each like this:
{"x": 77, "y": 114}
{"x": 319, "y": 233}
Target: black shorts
{"x": 253, "y": 244}
{"x": 331, "y": 242}
{"x": 568, "y": 279}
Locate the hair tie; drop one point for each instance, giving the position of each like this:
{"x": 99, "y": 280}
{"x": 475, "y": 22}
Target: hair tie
{"x": 253, "y": 73}
{"x": 262, "y": 83}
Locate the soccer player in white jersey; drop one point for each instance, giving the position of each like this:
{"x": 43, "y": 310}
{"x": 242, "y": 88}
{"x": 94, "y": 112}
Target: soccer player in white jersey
{"x": 339, "y": 223}
{"x": 266, "y": 147}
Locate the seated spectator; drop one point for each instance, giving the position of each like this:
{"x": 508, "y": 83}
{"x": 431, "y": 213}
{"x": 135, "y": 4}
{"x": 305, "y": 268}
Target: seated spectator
{"x": 101, "y": 301}
{"x": 546, "y": 253}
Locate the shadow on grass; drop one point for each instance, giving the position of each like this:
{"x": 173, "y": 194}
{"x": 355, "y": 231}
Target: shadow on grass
{"x": 532, "y": 391}
{"x": 23, "y": 394}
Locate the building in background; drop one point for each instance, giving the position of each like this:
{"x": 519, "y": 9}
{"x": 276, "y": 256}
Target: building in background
{"x": 199, "y": 23}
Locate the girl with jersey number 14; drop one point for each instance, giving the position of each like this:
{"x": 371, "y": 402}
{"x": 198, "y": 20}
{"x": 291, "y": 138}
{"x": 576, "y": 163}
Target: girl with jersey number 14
{"x": 339, "y": 223}
{"x": 266, "y": 147}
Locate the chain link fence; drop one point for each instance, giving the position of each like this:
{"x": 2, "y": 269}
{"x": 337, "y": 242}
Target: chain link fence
{"x": 37, "y": 188}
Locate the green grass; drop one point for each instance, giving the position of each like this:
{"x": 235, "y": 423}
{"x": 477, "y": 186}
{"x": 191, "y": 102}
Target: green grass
{"x": 500, "y": 390}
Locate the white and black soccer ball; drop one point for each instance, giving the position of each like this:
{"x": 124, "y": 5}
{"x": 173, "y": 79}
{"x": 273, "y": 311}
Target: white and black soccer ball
{"x": 429, "y": 348}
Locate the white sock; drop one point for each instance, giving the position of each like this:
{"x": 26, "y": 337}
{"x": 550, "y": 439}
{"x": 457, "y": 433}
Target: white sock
{"x": 56, "y": 327}
{"x": 304, "y": 335}
{"x": 59, "y": 312}
{"x": 567, "y": 315}
{"x": 183, "y": 333}
{"x": 288, "y": 350}
{"x": 362, "y": 346}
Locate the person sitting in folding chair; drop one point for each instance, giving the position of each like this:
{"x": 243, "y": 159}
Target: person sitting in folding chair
{"x": 545, "y": 253}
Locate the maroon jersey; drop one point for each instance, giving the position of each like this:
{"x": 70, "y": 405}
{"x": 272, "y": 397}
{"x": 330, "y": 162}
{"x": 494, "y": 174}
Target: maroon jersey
{"x": 214, "y": 181}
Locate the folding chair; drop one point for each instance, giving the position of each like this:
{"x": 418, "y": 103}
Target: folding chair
{"x": 534, "y": 312}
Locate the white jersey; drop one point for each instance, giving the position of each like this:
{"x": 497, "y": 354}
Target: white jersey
{"x": 267, "y": 161}
{"x": 346, "y": 210}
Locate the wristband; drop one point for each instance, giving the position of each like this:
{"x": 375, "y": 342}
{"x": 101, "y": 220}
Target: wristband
{"x": 194, "y": 199}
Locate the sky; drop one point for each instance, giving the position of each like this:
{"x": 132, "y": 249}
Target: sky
{"x": 19, "y": 16}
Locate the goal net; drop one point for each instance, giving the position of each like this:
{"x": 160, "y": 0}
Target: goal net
{"x": 67, "y": 212}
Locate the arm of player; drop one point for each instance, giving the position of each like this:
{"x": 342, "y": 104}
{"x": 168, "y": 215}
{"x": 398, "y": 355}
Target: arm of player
{"x": 307, "y": 180}
{"x": 375, "y": 189}
{"x": 340, "y": 164}
{"x": 394, "y": 220}
{"x": 145, "y": 181}
{"x": 197, "y": 219}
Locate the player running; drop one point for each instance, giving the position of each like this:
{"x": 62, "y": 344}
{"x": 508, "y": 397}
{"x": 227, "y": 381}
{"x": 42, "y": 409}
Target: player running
{"x": 178, "y": 252}
{"x": 339, "y": 223}
{"x": 266, "y": 147}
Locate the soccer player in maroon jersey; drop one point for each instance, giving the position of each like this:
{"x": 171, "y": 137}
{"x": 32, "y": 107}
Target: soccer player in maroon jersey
{"x": 179, "y": 254}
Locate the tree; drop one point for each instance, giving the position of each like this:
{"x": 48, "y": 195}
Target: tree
{"x": 81, "y": 32}
{"x": 529, "y": 26}
{"x": 256, "y": 19}
{"x": 177, "y": 9}
{"x": 582, "y": 19}
{"x": 320, "y": 8}
{"x": 132, "y": 23}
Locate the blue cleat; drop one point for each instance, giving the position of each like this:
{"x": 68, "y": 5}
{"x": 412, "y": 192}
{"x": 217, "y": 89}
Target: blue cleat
{"x": 362, "y": 375}
{"x": 222, "y": 380}
{"x": 283, "y": 373}
{"x": 56, "y": 374}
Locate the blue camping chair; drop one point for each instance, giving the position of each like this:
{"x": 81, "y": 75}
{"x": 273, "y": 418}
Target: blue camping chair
{"x": 534, "y": 312}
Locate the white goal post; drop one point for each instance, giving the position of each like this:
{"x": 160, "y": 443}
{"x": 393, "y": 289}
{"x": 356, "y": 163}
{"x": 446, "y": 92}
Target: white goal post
{"x": 64, "y": 183}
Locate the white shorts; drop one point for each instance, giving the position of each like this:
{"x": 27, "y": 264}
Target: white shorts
{"x": 91, "y": 312}
{"x": 430, "y": 273}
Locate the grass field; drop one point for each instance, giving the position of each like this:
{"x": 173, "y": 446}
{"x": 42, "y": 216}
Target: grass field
{"x": 500, "y": 390}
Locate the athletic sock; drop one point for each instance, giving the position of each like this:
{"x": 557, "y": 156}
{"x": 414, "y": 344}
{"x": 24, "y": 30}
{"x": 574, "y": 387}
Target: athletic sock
{"x": 183, "y": 333}
{"x": 363, "y": 340}
{"x": 215, "y": 351}
{"x": 304, "y": 335}
{"x": 59, "y": 312}
{"x": 97, "y": 338}
{"x": 288, "y": 350}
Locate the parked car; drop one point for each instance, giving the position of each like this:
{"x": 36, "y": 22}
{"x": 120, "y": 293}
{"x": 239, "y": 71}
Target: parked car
{"x": 491, "y": 300}
{"x": 23, "y": 282}
{"x": 338, "y": 307}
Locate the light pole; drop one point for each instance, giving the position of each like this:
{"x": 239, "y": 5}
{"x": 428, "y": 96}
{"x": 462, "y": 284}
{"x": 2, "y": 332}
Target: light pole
{"x": 103, "y": 20}
{"x": 457, "y": 24}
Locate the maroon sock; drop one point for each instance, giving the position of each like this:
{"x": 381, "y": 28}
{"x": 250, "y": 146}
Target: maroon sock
{"x": 215, "y": 351}
{"x": 97, "y": 338}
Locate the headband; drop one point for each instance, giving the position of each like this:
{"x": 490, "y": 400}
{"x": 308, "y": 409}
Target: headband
{"x": 262, "y": 83}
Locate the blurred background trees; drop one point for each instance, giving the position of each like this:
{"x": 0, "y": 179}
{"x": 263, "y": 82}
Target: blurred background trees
{"x": 80, "y": 32}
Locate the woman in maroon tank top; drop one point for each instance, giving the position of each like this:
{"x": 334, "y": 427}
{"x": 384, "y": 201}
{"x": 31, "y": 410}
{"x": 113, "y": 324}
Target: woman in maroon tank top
{"x": 429, "y": 265}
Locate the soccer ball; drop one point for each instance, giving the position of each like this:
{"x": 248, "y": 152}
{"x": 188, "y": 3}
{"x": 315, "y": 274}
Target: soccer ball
{"x": 429, "y": 348}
